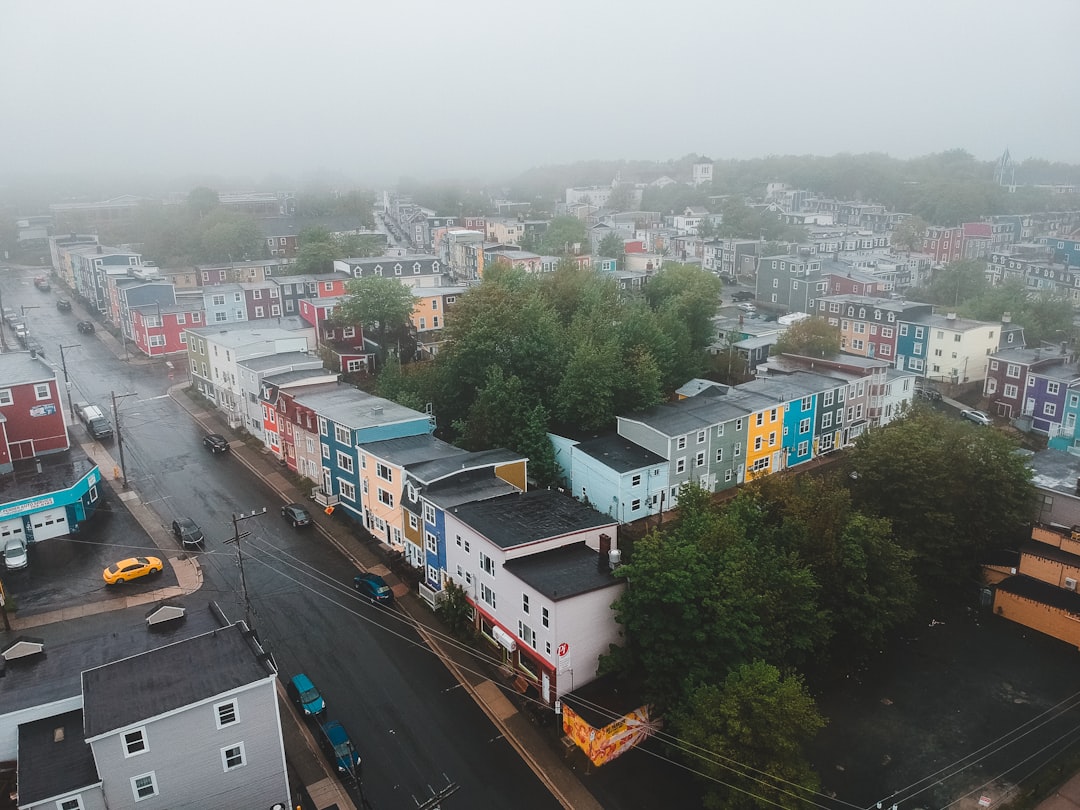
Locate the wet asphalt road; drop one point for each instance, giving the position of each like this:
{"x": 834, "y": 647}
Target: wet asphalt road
{"x": 415, "y": 728}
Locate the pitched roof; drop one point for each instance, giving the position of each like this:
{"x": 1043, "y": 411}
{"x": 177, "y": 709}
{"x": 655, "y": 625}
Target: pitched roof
{"x": 54, "y": 758}
{"x": 141, "y": 687}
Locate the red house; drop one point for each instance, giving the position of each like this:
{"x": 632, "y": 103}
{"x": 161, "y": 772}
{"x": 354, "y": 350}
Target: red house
{"x": 944, "y": 244}
{"x": 352, "y": 353}
{"x": 31, "y": 410}
{"x": 160, "y": 330}
{"x": 852, "y": 282}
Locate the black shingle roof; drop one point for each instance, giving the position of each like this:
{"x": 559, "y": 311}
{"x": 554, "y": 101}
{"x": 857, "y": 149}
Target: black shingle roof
{"x": 1042, "y": 592}
{"x": 563, "y": 572}
{"x": 528, "y": 517}
{"x": 143, "y": 686}
{"x": 49, "y": 767}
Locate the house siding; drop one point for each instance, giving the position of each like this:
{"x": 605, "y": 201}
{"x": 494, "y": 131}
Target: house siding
{"x": 185, "y": 755}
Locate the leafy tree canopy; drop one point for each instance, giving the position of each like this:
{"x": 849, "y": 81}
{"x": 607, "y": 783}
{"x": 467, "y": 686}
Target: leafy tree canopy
{"x": 755, "y": 726}
{"x": 381, "y": 304}
{"x": 565, "y": 236}
{"x": 949, "y": 489}
{"x": 814, "y": 337}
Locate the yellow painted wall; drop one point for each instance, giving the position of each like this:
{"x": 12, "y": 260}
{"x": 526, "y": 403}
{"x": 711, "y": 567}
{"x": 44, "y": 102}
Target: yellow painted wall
{"x": 772, "y": 421}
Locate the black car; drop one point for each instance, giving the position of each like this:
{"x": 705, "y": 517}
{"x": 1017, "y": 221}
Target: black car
{"x": 86, "y": 327}
{"x": 63, "y": 305}
{"x": 929, "y": 394}
{"x": 215, "y": 443}
{"x": 743, "y": 295}
{"x": 187, "y": 531}
{"x": 296, "y": 514}
{"x": 374, "y": 588}
{"x": 34, "y": 345}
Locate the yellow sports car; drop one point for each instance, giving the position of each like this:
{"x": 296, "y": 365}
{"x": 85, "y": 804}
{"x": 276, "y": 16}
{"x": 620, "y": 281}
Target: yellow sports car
{"x": 131, "y": 568}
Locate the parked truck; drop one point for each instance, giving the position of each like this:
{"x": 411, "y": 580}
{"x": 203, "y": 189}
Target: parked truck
{"x": 97, "y": 423}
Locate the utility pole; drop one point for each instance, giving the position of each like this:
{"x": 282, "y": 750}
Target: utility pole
{"x": 67, "y": 382}
{"x": 119, "y": 434}
{"x": 236, "y": 538}
{"x": 3, "y": 343}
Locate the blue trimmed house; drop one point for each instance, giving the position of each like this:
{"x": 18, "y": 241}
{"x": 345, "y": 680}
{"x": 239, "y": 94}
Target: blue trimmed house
{"x": 348, "y": 418}
{"x": 434, "y": 486}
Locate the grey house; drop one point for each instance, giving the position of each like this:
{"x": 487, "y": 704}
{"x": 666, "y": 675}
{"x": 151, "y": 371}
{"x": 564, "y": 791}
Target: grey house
{"x": 56, "y": 766}
{"x": 194, "y": 723}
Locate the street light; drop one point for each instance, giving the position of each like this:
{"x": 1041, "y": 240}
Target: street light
{"x": 67, "y": 382}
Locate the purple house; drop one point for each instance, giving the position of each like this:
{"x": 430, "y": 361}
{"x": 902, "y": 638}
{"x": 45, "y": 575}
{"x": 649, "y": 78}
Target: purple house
{"x": 1044, "y": 400}
{"x": 1009, "y": 378}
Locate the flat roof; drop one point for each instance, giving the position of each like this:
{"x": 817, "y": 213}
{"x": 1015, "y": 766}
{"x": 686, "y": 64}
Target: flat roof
{"x": 278, "y": 360}
{"x": 563, "y": 573}
{"x": 20, "y": 368}
{"x": 356, "y": 409}
{"x": 528, "y": 517}
{"x": 411, "y": 449}
{"x": 1055, "y": 470}
{"x": 620, "y": 454}
{"x": 432, "y": 470}
{"x": 52, "y": 763}
{"x": 58, "y": 471}
{"x": 137, "y": 688}
{"x": 74, "y": 645}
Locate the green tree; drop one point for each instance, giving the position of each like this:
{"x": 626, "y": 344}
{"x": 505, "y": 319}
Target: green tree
{"x": 621, "y": 198}
{"x": 201, "y": 201}
{"x": 707, "y": 229}
{"x": 955, "y": 284}
{"x": 755, "y": 726}
{"x": 587, "y": 393}
{"x": 359, "y": 246}
{"x": 613, "y": 247}
{"x": 813, "y": 337}
{"x": 950, "y": 490}
{"x": 565, "y": 236}
{"x": 695, "y": 295}
{"x": 909, "y": 235}
{"x": 380, "y": 304}
{"x": 225, "y": 236}
{"x": 315, "y": 258}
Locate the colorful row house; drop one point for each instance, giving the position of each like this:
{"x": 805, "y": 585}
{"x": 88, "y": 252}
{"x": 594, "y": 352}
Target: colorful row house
{"x": 718, "y": 436}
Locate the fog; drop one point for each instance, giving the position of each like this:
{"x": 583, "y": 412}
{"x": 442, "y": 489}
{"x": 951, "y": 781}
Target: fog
{"x": 377, "y": 90}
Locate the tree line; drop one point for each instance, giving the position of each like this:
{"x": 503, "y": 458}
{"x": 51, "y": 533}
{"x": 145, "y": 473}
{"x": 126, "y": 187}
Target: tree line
{"x": 730, "y": 611}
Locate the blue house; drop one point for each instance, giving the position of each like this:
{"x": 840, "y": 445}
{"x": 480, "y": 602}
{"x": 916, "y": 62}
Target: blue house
{"x": 911, "y": 343}
{"x": 1046, "y": 396}
{"x": 347, "y": 418}
{"x": 432, "y": 487}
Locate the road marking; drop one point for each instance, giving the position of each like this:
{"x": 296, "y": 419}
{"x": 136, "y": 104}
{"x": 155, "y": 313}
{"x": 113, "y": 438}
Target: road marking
{"x": 151, "y": 399}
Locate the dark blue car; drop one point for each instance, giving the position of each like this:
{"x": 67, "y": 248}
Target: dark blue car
{"x": 338, "y": 746}
{"x": 374, "y": 588}
{"x": 305, "y": 695}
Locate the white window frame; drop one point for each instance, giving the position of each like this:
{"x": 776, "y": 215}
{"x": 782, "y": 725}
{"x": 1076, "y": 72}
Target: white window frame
{"x": 70, "y": 803}
{"x": 126, "y": 744}
{"x": 5, "y": 397}
{"x": 239, "y": 747}
{"x": 153, "y": 786}
{"x": 223, "y": 708}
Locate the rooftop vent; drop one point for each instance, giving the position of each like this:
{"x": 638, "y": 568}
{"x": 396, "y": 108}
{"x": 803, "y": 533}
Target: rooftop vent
{"x": 23, "y": 647}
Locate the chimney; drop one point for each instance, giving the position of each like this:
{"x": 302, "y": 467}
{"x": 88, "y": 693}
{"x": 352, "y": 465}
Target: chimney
{"x": 605, "y": 549}
{"x": 614, "y": 558}
{"x": 950, "y": 316}
{"x": 99, "y": 250}
{"x": 1078, "y": 486}
{"x": 1006, "y": 317}
{"x": 377, "y": 410}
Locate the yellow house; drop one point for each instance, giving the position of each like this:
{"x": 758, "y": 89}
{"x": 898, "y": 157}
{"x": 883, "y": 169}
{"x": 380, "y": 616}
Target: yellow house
{"x": 763, "y": 441}
{"x": 428, "y": 318}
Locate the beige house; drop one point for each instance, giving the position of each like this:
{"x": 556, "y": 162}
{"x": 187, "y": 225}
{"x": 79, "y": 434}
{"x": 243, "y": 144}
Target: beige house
{"x": 958, "y": 348}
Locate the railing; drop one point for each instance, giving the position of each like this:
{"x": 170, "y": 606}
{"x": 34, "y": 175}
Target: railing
{"x": 323, "y": 498}
{"x": 432, "y": 597}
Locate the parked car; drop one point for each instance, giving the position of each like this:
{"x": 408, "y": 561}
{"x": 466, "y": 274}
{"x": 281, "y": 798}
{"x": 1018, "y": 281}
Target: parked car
{"x": 305, "y": 695}
{"x": 187, "y": 531}
{"x": 85, "y": 327}
{"x": 131, "y": 568}
{"x": 15, "y": 556}
{"x": 97, "y": 423}
{"x": 978, "y": 417}
{"x": 296, "y": 514}
{"x": 63, "y": 305}
{"x": 743, "y": 295}
{"x": 215, "y": 443}
{"x": 34, "y": 345}
{"x": 9, "y": 315}
{"x": 337, "y": 745}
{"x": 747, "y": 307}
{"x": 21, "y": 332}
{"x": 42, "y": 284}
{"x": 374, "y": 588}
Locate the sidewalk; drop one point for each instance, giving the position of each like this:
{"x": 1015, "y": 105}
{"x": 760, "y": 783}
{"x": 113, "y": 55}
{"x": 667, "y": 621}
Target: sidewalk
{"x": 538, "y": 750}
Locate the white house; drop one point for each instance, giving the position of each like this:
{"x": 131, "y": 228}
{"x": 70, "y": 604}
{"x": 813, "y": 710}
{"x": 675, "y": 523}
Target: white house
{"x": 536, "y": 567}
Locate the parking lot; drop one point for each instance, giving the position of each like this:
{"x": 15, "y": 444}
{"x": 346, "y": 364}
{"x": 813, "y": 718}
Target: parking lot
{"x": 66, "y": 571}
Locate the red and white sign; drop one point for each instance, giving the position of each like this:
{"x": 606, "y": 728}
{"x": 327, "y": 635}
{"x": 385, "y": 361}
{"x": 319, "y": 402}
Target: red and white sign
{"x": 563, "y": 649}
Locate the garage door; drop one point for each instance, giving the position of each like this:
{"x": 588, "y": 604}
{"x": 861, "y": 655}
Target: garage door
{"x": 11, "y": 529}
{"x": 50, "y": 523}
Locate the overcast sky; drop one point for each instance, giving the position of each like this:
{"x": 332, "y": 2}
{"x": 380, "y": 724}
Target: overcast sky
{"x": 377, "y": 89}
